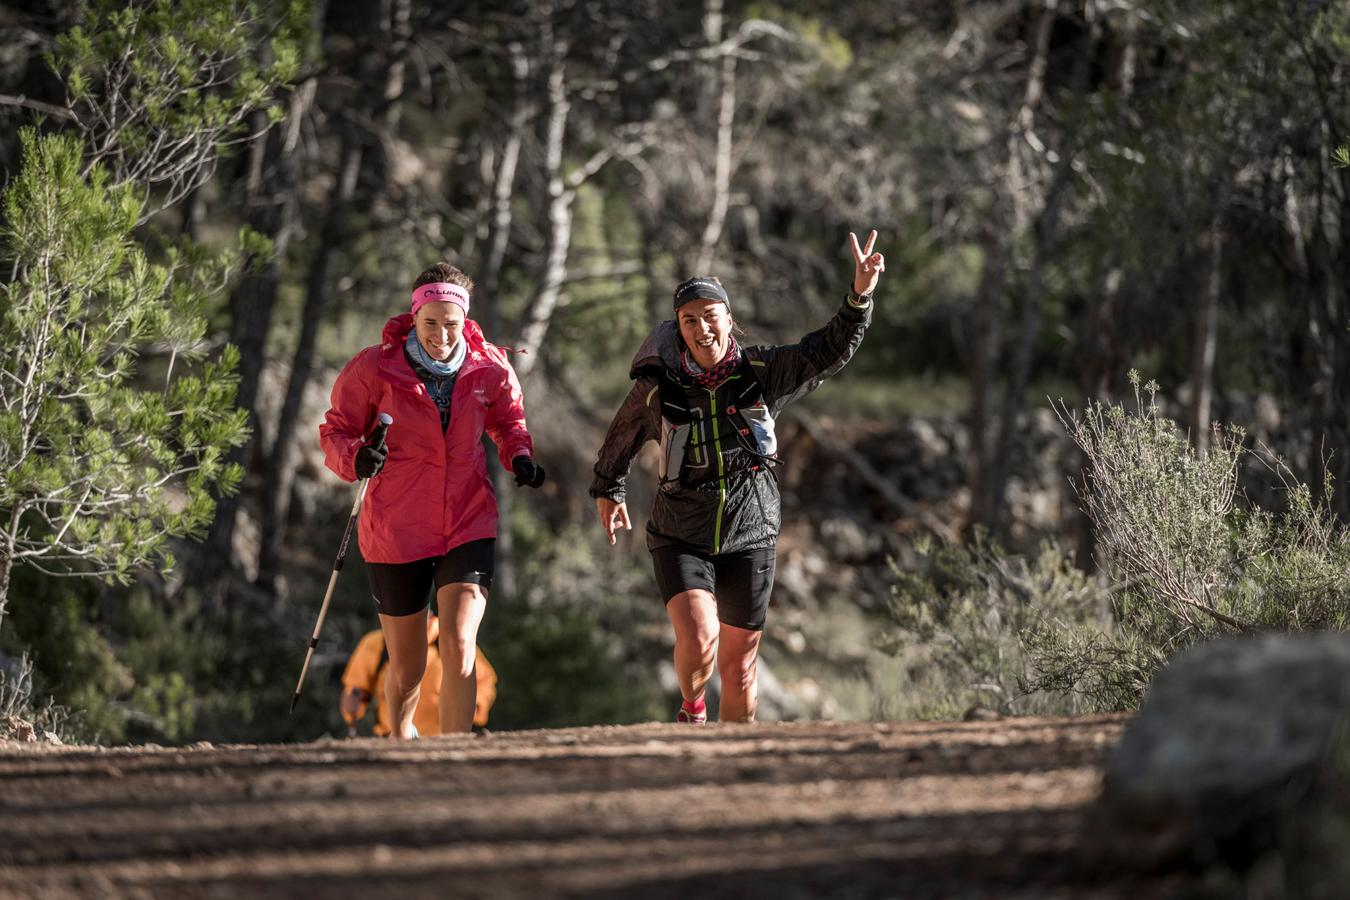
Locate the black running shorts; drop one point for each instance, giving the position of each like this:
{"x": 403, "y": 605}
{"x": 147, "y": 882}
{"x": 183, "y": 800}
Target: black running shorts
{"x": 403, "y": 589}
{"x": 741, "y": 582}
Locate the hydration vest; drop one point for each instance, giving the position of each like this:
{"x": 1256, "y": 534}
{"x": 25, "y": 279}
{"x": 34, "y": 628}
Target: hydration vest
{"x": 688, "y": 440}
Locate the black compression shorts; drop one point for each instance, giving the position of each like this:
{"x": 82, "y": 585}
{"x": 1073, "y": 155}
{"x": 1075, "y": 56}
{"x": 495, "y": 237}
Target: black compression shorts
{"x": 741, "y": 582}
{"x": 403, "y": 589}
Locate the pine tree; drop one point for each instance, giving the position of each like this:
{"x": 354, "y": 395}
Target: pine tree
{"x": 101, "y": 458}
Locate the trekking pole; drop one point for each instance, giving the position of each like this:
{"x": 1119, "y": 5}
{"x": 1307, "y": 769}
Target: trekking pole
{"x": 376, "y": 441}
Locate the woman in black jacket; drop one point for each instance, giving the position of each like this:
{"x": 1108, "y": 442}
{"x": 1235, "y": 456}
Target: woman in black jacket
{"x": 711, "y": 404}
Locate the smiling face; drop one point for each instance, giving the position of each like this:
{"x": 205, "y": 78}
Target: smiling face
{"x": 440, "y": 326}
{"x": 705, "y": 326}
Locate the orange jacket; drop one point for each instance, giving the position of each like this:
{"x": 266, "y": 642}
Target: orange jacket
{"x": 366, "y": 670}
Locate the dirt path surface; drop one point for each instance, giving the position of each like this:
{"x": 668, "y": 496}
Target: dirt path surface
{"x": 988, "y": 809}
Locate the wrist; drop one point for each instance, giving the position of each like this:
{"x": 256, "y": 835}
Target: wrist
{"x": 857, "y": 300}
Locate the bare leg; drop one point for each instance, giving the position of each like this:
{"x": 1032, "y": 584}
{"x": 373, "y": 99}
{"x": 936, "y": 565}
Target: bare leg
{"x": 694, "y": 615}
{"x": 462, "y": 606}
{"x": 737, "y": 657}
{"x": 405, "y": 637}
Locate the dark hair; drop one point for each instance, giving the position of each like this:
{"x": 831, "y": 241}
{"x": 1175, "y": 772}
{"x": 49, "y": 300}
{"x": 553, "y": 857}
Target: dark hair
{"x": 444, "y": 272}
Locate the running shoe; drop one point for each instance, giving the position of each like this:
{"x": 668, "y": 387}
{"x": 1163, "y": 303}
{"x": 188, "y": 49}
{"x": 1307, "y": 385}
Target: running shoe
{"x": 688, "y": 718}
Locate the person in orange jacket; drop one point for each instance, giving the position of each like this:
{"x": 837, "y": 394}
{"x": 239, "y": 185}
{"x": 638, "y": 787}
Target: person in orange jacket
{"x": 363, "y": 680}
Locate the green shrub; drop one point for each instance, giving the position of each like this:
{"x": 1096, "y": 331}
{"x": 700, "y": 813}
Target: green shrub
{"x": 1181, "y": 560}
{"x": 968, "y": 613}
{"x": 1189, "y": 560}
{"x": 22, "y": 716}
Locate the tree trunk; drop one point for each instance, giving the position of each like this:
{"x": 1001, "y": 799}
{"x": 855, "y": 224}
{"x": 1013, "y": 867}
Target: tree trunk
{"x": 1047, "y": 229}
{"x": 1206, "y": 338}
{"x": 986, "y": 330}
{"x": 709, "y": 95}
{"x": 1101, "y": 361}
{"x": 282, "y": 460}
{"x": 7, "y": 542}
{"x": 503, "y": 189}
{"x": 1013, "y": 193}
{"x": 1103, "y": 357}
{"x": 270, "y": 204}
{"x": 559, "y": 215}
{"x": 723, "y": 86}
{"x": 488, "y": 293}
{"x": 1046, "y": 239}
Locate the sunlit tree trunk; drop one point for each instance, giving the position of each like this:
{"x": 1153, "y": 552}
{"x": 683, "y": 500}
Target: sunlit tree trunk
{"x": 722, "y": 86}
{"x": 560, "y": 197}
{"x": 489, "y": 286}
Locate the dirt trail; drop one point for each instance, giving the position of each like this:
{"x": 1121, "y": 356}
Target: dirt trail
{"x": 989, "y": 809}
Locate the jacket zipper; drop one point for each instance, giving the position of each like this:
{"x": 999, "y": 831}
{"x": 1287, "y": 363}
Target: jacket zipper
{"x": 721, "y": 472}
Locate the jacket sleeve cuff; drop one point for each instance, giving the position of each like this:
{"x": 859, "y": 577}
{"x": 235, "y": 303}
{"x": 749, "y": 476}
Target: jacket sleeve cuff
{"x": 609, "y": 488}
{"x": 349, "y": 459}
{"x": 858, "y": 301}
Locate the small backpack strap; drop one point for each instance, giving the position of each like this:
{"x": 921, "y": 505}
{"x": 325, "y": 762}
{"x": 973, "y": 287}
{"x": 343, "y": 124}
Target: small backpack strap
{"x": 750, "y": 393}
{"x": 674, "y": 400}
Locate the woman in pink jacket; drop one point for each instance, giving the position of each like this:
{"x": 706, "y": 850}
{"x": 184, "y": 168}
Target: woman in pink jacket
{"x": 430, "y": 516}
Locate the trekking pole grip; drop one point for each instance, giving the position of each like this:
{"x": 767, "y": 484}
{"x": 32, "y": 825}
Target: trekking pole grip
{"x": 381, "y": 429}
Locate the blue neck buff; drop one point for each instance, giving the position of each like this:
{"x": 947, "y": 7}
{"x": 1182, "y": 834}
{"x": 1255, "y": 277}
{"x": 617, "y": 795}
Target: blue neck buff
{"x": 435, "y": 366}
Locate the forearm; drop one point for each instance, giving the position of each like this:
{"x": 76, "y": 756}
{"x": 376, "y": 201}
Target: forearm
{"x": 347, "y": 420}
{"x": 796, "y": 369}
{"x": 505, "y": 423}
{"x": 631, "y": 428}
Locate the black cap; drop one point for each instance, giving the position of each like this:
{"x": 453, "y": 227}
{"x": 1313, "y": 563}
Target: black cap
{"x": 703, "y": 287}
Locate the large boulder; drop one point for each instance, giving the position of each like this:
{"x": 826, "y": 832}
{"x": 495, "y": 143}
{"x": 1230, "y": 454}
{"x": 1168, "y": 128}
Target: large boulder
{"x": 1237, "y": 762}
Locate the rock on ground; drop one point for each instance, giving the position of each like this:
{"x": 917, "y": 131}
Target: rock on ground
{"x": 1237, "y": 760}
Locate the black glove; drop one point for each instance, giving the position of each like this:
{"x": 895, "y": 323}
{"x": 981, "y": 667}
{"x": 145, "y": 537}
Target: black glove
{"x": 369, "y": 461}
{"x": 528, "y": 473}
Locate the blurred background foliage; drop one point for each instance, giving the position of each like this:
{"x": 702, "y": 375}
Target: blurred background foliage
{"x": 1064, "y": 191}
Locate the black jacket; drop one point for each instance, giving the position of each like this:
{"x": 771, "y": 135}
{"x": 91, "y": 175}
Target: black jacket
{"x": 718, "y": 495}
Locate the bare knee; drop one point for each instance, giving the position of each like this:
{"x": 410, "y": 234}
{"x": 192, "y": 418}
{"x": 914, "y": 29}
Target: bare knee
{"x": 407, "y": 675}
{"x": 737, "y": 673}
{"x": 702, "y": 645}
{"x": 458, "y": 654}
{"x": 694, "y": 615}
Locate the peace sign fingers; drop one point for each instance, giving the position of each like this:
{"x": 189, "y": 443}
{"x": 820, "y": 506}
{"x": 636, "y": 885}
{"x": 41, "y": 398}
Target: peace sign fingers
{"x": 860, "y": 253}
{"x": 867, "y": 266}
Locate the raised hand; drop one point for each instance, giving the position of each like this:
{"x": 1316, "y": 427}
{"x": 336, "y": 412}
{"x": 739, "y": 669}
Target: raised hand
{"x": 867, "y": 266}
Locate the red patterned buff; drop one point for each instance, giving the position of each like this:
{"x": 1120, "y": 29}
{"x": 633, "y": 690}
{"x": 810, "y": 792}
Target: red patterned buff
{"x": 719, "y": 373}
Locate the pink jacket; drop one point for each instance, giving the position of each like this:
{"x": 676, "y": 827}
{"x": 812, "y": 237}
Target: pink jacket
{"x": 433, "y": 493}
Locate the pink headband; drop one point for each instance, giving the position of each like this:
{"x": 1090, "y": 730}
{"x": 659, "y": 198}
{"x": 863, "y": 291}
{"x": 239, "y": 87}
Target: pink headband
{"x": 440, "y": 290}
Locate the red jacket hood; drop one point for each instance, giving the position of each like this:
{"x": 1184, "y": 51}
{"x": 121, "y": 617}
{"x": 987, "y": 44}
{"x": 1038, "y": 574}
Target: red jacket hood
{"x": 396, "y": 331}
